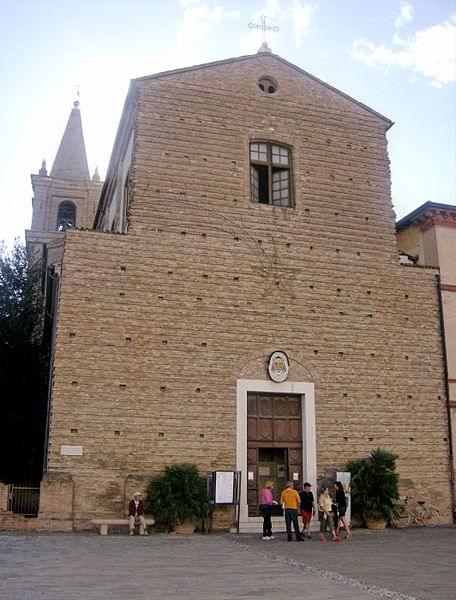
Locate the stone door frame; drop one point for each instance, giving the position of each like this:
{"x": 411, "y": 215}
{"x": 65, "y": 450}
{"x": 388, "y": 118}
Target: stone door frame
{"x": 309, "y": 450}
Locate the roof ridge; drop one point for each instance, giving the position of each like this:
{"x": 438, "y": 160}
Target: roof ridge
{"x": 261, "y": 56}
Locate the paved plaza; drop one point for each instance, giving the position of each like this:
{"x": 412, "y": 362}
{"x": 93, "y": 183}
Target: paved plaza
{"x": 414, "y": 563}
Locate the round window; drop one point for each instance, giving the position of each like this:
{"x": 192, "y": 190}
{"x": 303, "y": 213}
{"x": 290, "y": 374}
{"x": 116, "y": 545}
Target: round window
{"x": 267, "y": 85}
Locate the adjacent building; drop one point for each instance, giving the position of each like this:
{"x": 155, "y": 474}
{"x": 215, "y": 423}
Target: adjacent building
{"x": 427, "y": 236}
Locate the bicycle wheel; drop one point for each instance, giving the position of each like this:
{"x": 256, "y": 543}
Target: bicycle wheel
{"x": 401, "y": 518}
{"x": 430, "y": 517}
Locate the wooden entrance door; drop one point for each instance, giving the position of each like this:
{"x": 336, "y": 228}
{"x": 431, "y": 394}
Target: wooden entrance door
{"x": 273, "y": 421}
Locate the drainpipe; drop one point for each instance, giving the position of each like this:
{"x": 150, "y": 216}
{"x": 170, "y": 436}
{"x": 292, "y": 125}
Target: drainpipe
{"x": 447, "y": 392}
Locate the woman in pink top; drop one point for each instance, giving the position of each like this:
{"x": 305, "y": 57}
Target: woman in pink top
{"x": 267, "y": 504}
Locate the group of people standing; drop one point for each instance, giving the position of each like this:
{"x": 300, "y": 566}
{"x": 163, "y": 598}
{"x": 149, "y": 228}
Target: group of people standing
{"x": 331, "y": 512}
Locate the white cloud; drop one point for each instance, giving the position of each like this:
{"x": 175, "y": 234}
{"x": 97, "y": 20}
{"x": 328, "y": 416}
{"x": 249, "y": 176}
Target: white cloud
{"x": 300, "y": 14}
{"x": 198, "y": 18}
{"x": 273, "y": 9}
{"x": 405, "y": 14}
{"x": 430, "y": 53}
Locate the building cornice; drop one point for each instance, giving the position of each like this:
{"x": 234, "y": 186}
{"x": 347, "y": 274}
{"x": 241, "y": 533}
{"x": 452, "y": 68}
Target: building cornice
{"x": 430, "y": 214}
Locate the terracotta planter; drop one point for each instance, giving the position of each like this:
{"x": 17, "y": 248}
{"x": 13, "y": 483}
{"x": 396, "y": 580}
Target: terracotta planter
{"x": 371, "y": 524}
{"x": 185, "y": 528}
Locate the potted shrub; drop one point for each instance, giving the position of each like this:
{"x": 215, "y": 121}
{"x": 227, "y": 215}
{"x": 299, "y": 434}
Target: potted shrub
{"x": 374, "y": 488}
{"x": 178, "y": 498}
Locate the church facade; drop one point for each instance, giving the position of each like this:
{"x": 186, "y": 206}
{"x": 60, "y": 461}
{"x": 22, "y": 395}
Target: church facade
{"x": 240, "y": 302}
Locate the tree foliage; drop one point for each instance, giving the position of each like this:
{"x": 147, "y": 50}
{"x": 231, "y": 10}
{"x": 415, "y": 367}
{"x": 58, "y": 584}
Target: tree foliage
{"x": 374, "y": 485}
{"x": 178, "y": 495}
{"x": 23, "y": 366}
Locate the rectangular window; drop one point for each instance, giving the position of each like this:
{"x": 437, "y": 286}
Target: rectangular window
{"x": 270, "y": 174}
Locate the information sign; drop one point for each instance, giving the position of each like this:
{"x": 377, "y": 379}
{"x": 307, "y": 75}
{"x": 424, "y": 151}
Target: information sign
{"x": 224, "y": 487}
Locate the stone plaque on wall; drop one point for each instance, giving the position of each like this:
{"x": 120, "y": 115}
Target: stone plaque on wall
{"x": 71, "y": 450}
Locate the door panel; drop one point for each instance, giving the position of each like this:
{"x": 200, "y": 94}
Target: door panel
{"x": 295, "y": 465}
{"x": 252, "y": 429}
{"x": 281, "y": 433}
{"x": 251, "y": 404}
{"x": 265, "y": 432}
{"x": 252, "y": 500}
{"x": 252, "y": 484}
{"x": 280, "y": 407}
{"x": 252, "y": 456}
{"x": 294, "y": 405}
{"x": 274, "y": 443}
{"x": 294, "y": 430}
{"x": 265, "y": 406}
{"x": 294, "y": 455}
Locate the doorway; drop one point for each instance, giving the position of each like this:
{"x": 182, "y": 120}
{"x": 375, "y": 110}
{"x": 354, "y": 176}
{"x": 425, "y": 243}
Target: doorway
{"x": 272, "y": 466}
{"x": 274, "y": 444}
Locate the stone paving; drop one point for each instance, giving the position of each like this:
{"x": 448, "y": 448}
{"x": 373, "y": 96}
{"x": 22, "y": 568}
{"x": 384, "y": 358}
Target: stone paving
{"x": 417, "y": 562}
{"x": 393, "y": 564}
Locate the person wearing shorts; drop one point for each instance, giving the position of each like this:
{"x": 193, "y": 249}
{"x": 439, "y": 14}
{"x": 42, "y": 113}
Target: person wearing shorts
{"x": 307, "y": 508}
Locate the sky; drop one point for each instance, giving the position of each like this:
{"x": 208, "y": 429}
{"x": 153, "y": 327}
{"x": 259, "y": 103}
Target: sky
{"x": 396, "y": 56}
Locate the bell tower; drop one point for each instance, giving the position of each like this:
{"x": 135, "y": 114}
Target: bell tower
{"x": 66, "y": 198}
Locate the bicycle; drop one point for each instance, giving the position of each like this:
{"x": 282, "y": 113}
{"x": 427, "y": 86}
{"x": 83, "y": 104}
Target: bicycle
{"x": 420, "y": 515}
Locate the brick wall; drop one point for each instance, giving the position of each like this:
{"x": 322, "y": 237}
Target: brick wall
{"x": 155, "y": 326}
{"x": 3, "y": 497}
{"x": 56, "y": 496}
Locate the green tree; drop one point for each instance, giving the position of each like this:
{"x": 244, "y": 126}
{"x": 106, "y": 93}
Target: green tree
{"x": 178, "y": 495}
{"x": 23, "y": 366}
{"x": 374, "y": 485}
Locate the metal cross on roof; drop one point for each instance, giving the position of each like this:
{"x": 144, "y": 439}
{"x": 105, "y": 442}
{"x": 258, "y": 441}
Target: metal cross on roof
{"x": 263, "y": 27}
{"x": 76, "y": 102}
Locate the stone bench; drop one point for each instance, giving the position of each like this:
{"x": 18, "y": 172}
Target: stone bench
{"x": 103, "y": 524}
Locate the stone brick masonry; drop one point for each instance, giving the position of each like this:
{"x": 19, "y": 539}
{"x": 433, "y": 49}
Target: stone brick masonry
{"x": 155, "y": 326}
